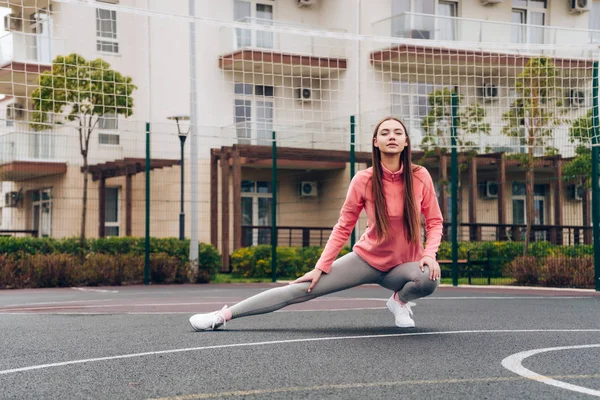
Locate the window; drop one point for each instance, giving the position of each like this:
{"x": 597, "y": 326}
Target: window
{"x": 257, "y": 202}
{"x": 106, "y": 31}
{"x": 529, "y": 17}
{"x": 41, "y": 203}
{"x": 253, "y": 12}
{"x": 439, "y": 22}
{"x": 410, "y": 102}
{"x": 519, "y": 206}
{"x": 108, "y": 121}
{"x": 111, "y": 225}
{"x": 595, "y": 22}
{"x": 253, "y": 113}
{"x": 109, "y": 139}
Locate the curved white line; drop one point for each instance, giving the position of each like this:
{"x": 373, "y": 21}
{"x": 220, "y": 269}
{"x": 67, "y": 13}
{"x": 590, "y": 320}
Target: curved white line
{"x": 321, "y": 339}
{"x": 513, "y": 364}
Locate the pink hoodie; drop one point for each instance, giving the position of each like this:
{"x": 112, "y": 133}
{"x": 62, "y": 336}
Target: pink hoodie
{"x": 395, "y": 250}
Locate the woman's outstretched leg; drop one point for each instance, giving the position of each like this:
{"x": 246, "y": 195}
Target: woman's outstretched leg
{"x": 346, "y": 272}
{"x": 408, "y": 283}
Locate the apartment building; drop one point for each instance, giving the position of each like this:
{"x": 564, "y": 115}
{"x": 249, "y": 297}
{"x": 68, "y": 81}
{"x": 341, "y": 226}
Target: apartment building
{"x": 301, "y": 68}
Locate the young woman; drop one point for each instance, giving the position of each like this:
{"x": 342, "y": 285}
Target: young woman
{"x": 394, "y": 193}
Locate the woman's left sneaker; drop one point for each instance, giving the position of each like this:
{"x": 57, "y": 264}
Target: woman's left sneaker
{"x": 208, "y": 322}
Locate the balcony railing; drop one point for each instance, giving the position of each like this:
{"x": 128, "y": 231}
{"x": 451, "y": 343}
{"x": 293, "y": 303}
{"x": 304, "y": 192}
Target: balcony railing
{"x": 292, "y": 236}
{"x": 26, "y": 47}
{"x": 443, "y": 28}
{"x": 32, "y": 146}
{"x": 260, "y": 35}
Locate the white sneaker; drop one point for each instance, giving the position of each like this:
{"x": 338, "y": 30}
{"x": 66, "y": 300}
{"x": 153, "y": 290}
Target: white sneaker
{"x": 209, "y": 321}
{"x": 402, "y": 312}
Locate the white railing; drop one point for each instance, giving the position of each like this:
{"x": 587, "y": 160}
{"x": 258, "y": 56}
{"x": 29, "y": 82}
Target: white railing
{"x": 442, "y": 28}
{"x": 33, "y": 146}
{"x": 259, "y": 35}
{"x": 26, "y": 47}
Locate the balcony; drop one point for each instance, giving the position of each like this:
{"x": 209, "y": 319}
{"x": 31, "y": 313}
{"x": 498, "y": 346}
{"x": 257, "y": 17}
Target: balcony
{"x": 31, "y": 155}
{"x": 270, "y": 47}
{"x": 471, "y": 46}
{"x": 23, "y": 56}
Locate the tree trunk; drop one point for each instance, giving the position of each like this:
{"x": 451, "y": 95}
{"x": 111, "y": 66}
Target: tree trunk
{"x": 529, "y": 207}
{"x": 443, "y": 176}
{"x": 84, "y": 201}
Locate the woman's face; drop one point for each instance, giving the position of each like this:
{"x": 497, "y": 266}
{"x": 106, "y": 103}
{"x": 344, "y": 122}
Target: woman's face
{"x": 391, "y": 137}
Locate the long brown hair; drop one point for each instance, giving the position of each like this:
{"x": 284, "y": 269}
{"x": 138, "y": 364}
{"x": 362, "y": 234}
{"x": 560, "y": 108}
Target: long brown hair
{"x": 411, "y": 215}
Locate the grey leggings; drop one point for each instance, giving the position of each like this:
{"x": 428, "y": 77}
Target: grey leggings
{"x": 346, "y": 272}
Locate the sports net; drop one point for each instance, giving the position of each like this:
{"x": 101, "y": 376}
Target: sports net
{"x": 86, "y": 77}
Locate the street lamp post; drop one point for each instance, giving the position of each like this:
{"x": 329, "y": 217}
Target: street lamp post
{"x": 182, "y": 137}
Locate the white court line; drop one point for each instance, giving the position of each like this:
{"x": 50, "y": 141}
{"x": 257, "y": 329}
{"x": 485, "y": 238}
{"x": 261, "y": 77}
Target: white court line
{"x": 94, "y": 290}
{"x": 513, "y": 363}
{"x": 274, "y": 342}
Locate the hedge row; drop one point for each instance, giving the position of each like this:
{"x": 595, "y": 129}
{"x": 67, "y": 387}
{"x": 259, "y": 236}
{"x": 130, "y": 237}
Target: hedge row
{"x": 557, "y": 271}
{"x": 47, "y": 262}
{"x": 292, "y": 262}
{"x": 567, "y": 266}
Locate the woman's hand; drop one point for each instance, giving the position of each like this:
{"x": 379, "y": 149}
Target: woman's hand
{"x": 434, "y": 267}
{"x": 312, "y": 276}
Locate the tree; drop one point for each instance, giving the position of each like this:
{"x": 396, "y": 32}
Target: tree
{"x": 532, "y": 116}
{"x": 579, "y": 169}
{"x": 437, "y": 138}
{"x": 80, "y": 91}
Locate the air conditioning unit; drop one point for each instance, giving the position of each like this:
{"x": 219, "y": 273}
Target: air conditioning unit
{"x": 488, "y": 92}
{"x": 576, "y": 98}
{"x": 307, "y": 189}
{"x": 490, "y": 190}
{"x": 305, "y": 3}
{"x": 11, "y": 199}
{"x": 420, "y": 34}
{"x": 13, "y": 23}
{"x": 576, "y": 192}
{"x": 486, "y": 2}
{"x": 579, "y": 6}
{"x": 304, "y": 94}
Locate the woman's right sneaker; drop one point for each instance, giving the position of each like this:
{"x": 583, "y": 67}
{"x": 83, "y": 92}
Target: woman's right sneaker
{"x": 402, "y": 313}
{"x": 209, "y": 321}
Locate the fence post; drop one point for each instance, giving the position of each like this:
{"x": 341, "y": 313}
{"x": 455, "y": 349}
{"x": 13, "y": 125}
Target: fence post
{"x": 595, "y": 184}
{"x": 274, "y": 209}
{"x": 147, "y": 235}
{"x": 352, "y": 171}
{"x": 454, "y": 190}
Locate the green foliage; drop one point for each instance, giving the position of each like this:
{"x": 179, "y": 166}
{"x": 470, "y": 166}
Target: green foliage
{"x": 80, "y": 89}
{"x": 579, "y": 169}
{"x": 438, "y": 122}
{"x": 106, "y": 261}
{"x": 536, "y": 110}
{"x": 292, "y": 262}
{"x": 557, "y": 271}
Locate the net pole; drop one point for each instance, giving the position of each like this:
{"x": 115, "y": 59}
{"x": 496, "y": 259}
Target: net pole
{"x": 454, "y": 190}
{"x": 595, "y": 183}
{"x": 147, "y": 235}
{"x": 274, "y": 209}
{"x": 194, "y": 197}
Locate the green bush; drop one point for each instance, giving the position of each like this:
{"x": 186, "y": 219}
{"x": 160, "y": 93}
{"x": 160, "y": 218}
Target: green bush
{"x": 525, "y": 270}
{"x": 292, "y": 262}
{"x": 48, "y": 262}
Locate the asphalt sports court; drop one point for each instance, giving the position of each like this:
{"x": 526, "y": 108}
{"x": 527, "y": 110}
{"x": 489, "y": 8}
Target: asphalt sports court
{"x": 136, "y": 343}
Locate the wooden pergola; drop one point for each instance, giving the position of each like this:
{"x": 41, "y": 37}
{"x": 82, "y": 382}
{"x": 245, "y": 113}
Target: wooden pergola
{"x": 235, "y": 157}
{"x": 126, "y": 167}
{"x": 494, "y": 166}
